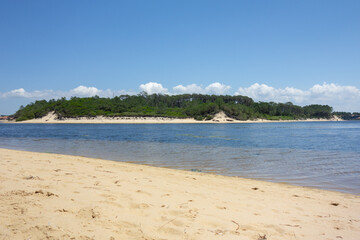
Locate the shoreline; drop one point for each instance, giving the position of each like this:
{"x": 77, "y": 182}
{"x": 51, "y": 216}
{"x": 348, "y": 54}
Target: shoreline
{"x": 136, "y": 164}
{"x": 283, "y": 181}
{"x": 221, "y": 118}
{"x": 48, "y": 195}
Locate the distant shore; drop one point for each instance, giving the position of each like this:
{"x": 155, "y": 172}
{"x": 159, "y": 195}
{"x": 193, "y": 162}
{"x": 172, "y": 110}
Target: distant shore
{"x": 218, "y": 118}
{"x": 62, "y": 197}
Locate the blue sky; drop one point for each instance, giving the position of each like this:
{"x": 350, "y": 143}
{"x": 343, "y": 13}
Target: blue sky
{"x": 300, "y": 51}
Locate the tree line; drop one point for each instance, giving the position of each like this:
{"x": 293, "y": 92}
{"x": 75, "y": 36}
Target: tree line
{"x": 196, "y": 106}
{"x": 348, "y": 115}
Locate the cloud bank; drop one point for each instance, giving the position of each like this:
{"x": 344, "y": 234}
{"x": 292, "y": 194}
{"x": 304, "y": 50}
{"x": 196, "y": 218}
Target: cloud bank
{"x": 80, "y": 91}
{"x": 153, "y": 87}
{"x": 214, "y": 88}
{"x": 341, "y": 98}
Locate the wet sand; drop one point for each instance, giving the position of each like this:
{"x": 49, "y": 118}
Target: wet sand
{"x": 52, "y": 196}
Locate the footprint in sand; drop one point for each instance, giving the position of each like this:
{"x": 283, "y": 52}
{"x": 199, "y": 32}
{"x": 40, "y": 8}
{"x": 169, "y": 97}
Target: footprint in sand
{"x": 91, "y": 213}
{"x": 47, "y": 194}
{"x": 178, "y": 223}
{"x": 170, "y": 230}
{"x": 139, "y": 206}
{"x": 221, "y": 207}
{"x": 32, "y": 178}
{"x": 276, "y": 228}
{"x": 176, "y": 212}
{"x": 109, "y": 197}
{"x": 192, "y": 213}
{"x": 62, "y": 210}
{"x": 146, "y": 193}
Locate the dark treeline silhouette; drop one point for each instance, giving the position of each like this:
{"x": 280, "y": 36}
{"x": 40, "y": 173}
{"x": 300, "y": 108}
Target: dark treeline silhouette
{"x": 196, "y": 106}
{"x": 348, "y": 115}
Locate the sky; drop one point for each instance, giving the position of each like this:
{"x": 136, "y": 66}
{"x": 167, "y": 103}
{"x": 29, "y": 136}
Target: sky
{"x": 305, "y": 52}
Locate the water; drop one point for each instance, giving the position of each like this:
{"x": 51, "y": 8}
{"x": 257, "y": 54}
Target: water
{"x": 316, "y": 154}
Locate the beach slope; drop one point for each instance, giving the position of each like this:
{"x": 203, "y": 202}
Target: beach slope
{"x": 218, "y": 118}
{"x": 52, "y": 196}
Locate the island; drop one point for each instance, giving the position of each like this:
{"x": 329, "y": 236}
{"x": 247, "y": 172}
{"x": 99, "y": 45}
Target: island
{"x": 185, "y": 107}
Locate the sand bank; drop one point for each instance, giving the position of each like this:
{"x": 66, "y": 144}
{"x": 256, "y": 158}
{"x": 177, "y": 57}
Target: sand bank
{"x": 52, "y": 196}
{"x": 218, "y": 118}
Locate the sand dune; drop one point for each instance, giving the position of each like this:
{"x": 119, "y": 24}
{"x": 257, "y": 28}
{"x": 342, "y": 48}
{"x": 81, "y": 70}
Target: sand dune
{"x": 218, "y": 118}
{"x": 52, "y": 196}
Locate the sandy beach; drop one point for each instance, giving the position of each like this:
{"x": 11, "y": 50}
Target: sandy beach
{"x": 52, "y": 196}
{"x": 218, "y": 118}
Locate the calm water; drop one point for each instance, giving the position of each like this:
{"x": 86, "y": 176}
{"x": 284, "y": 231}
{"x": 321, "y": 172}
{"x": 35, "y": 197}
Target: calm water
{"x": 317, "y": 154}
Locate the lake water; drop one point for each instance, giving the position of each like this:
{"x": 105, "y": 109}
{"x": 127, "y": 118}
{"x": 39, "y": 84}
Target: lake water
{"x": 316, "y": 154}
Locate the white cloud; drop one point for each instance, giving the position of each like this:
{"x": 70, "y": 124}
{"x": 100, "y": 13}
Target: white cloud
{"x": 80, "y": 91}
{"x": 85, "y": 91}
{"x": 153, "y": 87}
{"x": 263, "y": 92}
{"x": 17, "y": 93}
{"x": 341, "y": 98}
{"x": 217, "y": 88}
{"x": 214, "y": 88}
{"x": 256, "y": 90}
{"x": 192, "y": 88}
{"x": 333, "y": 90}
{"x": 21, "y": 92}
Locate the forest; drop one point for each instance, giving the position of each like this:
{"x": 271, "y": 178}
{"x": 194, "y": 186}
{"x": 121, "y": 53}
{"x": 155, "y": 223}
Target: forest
{"x": 196, "y": 106}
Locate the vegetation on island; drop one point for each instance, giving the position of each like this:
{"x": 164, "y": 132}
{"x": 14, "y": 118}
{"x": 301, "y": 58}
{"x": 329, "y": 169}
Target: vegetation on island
{"x": 196, "y": 106}
{"x": 347, "y": 115}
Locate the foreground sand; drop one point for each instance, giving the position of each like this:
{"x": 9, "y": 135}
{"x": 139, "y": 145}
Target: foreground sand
{"x": 51, "y": 196}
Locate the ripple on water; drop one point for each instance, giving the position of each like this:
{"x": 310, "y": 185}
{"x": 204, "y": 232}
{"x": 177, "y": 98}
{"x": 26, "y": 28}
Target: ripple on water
{"x": 324, "y": 155}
